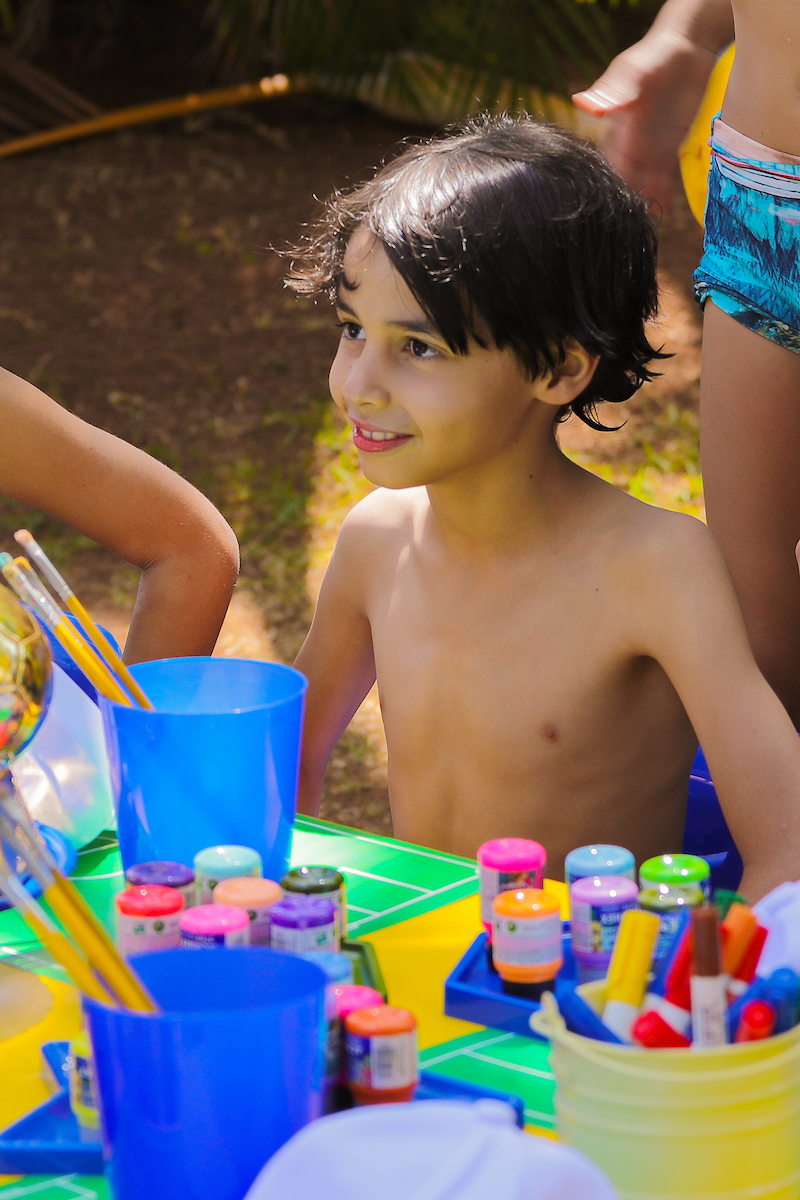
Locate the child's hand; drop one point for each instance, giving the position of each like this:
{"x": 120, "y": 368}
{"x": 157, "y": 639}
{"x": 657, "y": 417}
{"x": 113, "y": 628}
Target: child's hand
{"x": 649, "y": 95}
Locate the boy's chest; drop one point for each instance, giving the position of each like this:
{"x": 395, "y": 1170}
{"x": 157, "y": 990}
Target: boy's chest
{"x": 494, "y": 660}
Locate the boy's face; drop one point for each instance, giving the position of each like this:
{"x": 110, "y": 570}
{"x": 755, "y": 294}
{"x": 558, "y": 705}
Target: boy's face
{"x": 420, "y": 413}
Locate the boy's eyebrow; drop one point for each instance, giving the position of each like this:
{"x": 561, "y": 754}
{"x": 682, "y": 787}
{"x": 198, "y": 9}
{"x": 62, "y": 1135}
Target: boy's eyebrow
{"x": 413, "y": 326}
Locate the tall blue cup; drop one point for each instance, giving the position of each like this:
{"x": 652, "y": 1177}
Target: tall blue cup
{"x": 215, "y": 762}
{"x": 195, "y": 1099}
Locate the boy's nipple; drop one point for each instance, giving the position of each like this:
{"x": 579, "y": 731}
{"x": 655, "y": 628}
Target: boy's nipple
{"x": 550, "y": 732}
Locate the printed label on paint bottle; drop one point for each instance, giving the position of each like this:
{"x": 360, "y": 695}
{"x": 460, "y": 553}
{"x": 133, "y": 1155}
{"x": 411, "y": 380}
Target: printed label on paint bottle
{"x": 382, "y": 1062}
{"x": 493, "y": 882}
{"x": 299, "y": 941}
{"x": 200, "y": 941}
{"x": 527, "y": 941}
{"x": 141, "y": 935}
{"x": 594, "y": 926}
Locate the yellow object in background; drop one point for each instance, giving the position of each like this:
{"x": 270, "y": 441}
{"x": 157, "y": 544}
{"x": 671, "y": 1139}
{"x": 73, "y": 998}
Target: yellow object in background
{"x": 417, "y": 956}
{"x": 22, "y": 1085}
{"x": 695, "y": 154}
{"x": 82, "y": 1094}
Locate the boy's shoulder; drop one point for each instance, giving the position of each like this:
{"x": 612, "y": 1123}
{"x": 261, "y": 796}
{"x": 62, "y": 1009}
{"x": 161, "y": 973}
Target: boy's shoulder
{"x": 385, "y": 511}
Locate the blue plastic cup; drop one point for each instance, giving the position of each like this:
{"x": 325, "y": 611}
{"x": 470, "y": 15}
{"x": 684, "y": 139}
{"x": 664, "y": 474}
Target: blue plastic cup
{"x": 194, "y": 1100}
{"x": 216, "y": 762}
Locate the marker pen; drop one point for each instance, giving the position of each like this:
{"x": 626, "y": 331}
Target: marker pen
{"x": 599, "y": 860}
{"x": 708, "y": 990}
{"x": 723, "y": 898}
{"x": 758, "y": 1021}
{"x": 740, "y": 924}
{"x": 508, "y": 865}
{"x": 627, "y": 972}
{"x": 783, "y": 992}
{"x": 756, "y": 991}
{"x": 675, "y": 1004}
{"x": 651, "y": 1030}
{"x": 746, "y": 971}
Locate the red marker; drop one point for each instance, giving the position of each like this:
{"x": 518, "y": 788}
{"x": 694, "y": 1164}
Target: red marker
{"x": 758, "y": 1021}
{"x": 676, "y": 1005}
{"x": 652, "y": 1031}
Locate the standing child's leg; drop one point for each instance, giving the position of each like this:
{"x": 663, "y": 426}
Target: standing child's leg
{"x": 750, "y": 434}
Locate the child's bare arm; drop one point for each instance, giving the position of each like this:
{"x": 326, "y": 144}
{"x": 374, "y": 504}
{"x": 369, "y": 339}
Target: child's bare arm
{"x": 651, "y": 92}
{"x": 697, "y": 633}
{"x": 131, "y": 504}
{"x": 337, "y": 659}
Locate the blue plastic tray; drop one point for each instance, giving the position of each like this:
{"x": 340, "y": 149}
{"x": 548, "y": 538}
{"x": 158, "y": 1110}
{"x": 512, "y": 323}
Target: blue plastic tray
{"x": 433, "y": 1086}
{"x": 474, "y": 993}
{"x": 47, "y": 1141}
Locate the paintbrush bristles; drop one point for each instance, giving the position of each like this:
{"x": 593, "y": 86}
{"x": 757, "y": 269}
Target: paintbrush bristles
{"x": 51, "y": 573}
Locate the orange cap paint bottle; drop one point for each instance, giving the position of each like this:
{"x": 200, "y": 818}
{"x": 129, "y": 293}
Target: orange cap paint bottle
{"x": 526, "y": 941}
{"x": 382, "y": 1054}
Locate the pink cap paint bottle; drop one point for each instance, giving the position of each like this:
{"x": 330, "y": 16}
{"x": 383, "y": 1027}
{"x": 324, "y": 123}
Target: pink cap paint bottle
{"x": 147, "y": 919}
{"x": 214, "y": 925}
{"x": 508, "y": 864}
{"x": 349, "y": 998}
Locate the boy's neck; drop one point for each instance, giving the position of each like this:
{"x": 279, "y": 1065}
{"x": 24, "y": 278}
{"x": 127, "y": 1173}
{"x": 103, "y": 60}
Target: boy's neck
{"x": 507, "y": 504}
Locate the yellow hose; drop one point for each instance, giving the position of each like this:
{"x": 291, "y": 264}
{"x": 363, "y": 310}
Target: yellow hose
{"x": 144, "y": 114}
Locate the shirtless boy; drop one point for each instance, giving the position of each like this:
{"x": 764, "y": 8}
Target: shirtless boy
{"x": 748, "y": 281}
{"x": 547, "y": 648}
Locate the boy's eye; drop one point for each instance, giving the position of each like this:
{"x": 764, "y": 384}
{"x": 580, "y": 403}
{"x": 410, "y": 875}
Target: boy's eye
{"x": 351, "y": 330}
{"x": 421, "y": 349}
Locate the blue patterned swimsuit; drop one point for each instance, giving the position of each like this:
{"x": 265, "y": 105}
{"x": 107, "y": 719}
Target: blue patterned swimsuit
{"x": 751, "y": 258}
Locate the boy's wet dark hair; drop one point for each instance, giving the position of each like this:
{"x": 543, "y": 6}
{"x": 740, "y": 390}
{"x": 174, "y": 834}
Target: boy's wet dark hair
{"x": 514, "y": 234}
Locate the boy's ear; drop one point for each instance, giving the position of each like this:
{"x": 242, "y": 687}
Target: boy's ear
{"x": 567, "y": 380}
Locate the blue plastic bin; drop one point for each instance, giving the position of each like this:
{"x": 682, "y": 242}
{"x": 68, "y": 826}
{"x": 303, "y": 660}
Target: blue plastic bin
{"x": 195, "y": 1099}
{"x": 216, "y": 762}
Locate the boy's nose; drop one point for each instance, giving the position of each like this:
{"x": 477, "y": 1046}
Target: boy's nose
{"x": 363, "y": 385}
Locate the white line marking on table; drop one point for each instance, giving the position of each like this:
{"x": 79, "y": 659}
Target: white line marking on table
{"x": 383, "y": 879}
{"x": 432, "y": 1062}
{"x": 414, "y": 900}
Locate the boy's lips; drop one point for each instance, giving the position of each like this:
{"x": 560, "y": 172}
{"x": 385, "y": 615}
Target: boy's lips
{"x": 374, "y": 440}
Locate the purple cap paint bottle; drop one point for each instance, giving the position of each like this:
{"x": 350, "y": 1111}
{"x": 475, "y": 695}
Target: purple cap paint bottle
{"x": 597, "y": 903}
{"x": 508, "y": 864}
{"x": 303, "y": 923}
{"x": 165, "y": 874}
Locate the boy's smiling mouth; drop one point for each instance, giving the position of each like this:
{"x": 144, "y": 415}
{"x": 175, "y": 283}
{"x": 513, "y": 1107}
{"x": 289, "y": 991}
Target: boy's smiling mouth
{"x": 372, "y": 439}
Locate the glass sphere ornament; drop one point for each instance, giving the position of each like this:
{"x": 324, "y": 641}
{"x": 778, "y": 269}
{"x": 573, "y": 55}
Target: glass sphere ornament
{"x": 25, "y": 677}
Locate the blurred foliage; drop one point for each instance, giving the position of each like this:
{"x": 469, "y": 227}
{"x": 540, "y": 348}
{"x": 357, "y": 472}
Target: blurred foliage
{"x": 546, "y": 45}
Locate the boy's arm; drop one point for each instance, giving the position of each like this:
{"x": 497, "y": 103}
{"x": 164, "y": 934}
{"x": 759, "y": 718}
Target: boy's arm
{"x": 337, "y": 659}
{"x": 131, "y": 504}
{"x": 651, "y": 92}
{"x": 697, "y": 633}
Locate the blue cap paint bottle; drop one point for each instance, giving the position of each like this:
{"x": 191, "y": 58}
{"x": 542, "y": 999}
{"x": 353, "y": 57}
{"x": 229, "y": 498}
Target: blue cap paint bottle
{"x": 599, "y": 860}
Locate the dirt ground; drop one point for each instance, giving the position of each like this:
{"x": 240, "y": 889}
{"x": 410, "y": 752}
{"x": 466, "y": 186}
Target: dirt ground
{"x": 138, "y": 288}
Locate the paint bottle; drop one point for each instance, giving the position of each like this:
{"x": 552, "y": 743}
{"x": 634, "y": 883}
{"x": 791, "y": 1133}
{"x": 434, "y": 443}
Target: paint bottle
{"x": 165, "y": 874}
{"x": 302, "y": 923}
{"x": 148, "y": 919}
{"x": 599, "y": 860}
{"x": 676, "y": 870}
{"x": 597, "y": 903}
{"x": 82, "y": 1088}
{"x": 222, "y": 862}
{"x": 320, "y": 881}
{"x": 217, "y": 926}
{"x": 527, "y": 941}
{"x": 349, "y": 998}
{"x": 668, "y": 903}
{"x": 382, "y": 1054}
{"x": 339, "y": 973}
{"x": 507, "y": 864}
{"x": 256, "y": 897}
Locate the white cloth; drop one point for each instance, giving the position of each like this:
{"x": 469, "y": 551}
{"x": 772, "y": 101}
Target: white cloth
{"x": 779, "y": 912}
{"x": 432, "y": 1150}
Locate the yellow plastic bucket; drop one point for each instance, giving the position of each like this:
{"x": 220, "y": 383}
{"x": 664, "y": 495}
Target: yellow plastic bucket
{"x": 719, "y": 1124}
